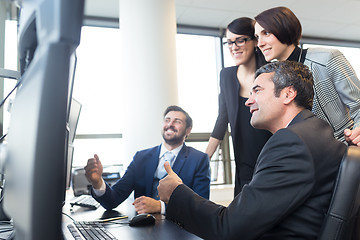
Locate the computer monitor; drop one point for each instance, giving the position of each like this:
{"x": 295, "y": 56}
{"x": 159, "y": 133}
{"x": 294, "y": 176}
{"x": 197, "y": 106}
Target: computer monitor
{"x": 36, "y": 141}
{"x": 74, "y": 115}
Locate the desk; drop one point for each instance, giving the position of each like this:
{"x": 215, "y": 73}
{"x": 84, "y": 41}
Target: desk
{"x": 161, "y": 230}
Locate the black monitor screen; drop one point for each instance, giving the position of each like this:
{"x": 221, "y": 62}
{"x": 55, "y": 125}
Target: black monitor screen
{"x": 36, "y": 141}
{"x": 73, "y": 120}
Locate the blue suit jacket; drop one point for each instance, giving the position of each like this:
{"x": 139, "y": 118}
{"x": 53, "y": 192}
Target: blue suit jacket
{"x": 191, "y": 165}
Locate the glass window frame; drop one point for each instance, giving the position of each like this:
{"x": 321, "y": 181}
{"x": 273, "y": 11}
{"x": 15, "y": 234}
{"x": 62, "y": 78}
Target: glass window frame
{"x": 220, "y": 62}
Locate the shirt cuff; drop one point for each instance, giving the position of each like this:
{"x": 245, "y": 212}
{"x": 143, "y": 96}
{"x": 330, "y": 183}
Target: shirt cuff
{"x": 101, "y": 191}
{"x": 162, "y": 210}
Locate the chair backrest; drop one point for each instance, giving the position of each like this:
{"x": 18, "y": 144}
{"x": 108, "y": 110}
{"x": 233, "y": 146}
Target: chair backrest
{"x": 341, "y": 221}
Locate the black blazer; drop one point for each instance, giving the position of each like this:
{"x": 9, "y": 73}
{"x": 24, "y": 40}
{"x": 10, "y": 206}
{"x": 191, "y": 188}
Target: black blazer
{"x": 228, "y": 113}
{"x": 228, "y": 102}
{"x": 287, "y": 197}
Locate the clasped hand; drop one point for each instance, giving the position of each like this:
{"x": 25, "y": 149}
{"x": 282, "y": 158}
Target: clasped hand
{"x": 352, "y": 137}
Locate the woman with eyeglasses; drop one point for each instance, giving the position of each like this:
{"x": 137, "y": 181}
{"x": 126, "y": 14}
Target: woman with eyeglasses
{"x": 235, "y": 87}
{"x": 336, "y": 86}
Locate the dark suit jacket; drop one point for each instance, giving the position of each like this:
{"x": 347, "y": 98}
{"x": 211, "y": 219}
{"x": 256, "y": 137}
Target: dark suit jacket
{"x": 191, "y": 165}
{"x": 287, "y": 197}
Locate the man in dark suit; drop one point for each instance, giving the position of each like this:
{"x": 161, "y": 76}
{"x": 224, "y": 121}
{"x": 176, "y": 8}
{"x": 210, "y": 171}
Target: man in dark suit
{"x": 147, "y": 168}
{"x": 292, "y": 183}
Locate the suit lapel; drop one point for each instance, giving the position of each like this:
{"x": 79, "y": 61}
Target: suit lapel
{"x": 234, "y": 99}
{"x": 152, "y": 161}
{"x": 180, "y": 159}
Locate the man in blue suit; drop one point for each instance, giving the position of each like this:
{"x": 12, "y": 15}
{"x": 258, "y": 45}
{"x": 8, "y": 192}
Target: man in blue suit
{"x": 147, "y": 168}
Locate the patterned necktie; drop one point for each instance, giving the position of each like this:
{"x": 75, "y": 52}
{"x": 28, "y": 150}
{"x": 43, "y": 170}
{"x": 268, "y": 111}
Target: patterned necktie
{"x": 161, "y": 172}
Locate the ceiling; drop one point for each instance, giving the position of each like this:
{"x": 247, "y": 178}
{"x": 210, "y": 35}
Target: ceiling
{"x": 324, "y": 19}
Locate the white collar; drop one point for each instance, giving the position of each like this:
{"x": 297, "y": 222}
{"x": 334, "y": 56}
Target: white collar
{"x": 175, "y": 151}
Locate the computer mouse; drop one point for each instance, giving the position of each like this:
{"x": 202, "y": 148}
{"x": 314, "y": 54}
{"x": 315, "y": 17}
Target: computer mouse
{"x": 142, "y": 220}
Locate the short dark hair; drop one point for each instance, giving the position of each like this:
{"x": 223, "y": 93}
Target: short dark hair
{"x": 281, "y": 22}
{"x": 242, "y": 26}
{"x": 175, "y": 108}
{"x": 291, "y": 73}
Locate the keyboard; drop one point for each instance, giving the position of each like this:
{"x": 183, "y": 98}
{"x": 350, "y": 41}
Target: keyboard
{"x": 85, "y": 201}
{"x": 90, "y": 231}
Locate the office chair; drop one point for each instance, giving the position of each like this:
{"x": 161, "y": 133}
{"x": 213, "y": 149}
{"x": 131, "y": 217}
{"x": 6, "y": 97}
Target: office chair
{"x": 341, "y": 221}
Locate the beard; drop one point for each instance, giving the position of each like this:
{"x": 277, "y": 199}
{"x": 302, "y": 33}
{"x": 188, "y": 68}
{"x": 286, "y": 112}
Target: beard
{"x": 176, "y": 139}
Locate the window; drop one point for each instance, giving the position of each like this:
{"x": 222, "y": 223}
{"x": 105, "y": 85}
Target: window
{"x": 198, "y": 88}
{"x": 198, "y": 79}
{"x": 11, "y": 64}
{"x": 97, "y": 84}
{"x": 96, "y": 87}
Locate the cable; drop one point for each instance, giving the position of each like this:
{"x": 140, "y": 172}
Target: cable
{"x": 6, "y": 222}
{"x": 2, "y": 193}
{"x": 4, "y": 100}
{"x": 16, "y": 86}
{"x": 11, "y": 236}
{"x": 3, "y": 137}
{"x": 6, "y": 229}
{"x": 72, "y": 219}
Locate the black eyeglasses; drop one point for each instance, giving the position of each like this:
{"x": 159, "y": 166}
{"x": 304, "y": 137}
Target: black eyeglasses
{"x": 240, "y": 41}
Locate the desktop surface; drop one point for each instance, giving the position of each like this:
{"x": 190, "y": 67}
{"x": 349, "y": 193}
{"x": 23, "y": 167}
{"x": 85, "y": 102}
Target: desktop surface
{"x": 162, "y": 229}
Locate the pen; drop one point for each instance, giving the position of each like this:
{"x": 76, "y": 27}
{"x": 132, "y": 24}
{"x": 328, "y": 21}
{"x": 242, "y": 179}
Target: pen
{"x": 113, "y": 219}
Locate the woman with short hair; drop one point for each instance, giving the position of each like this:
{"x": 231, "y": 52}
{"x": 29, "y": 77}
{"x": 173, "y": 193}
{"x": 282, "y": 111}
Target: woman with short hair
{"x": 336, "y": 86}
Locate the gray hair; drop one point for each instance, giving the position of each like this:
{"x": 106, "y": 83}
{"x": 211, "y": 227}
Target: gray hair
{"x": 294, "y": 74}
